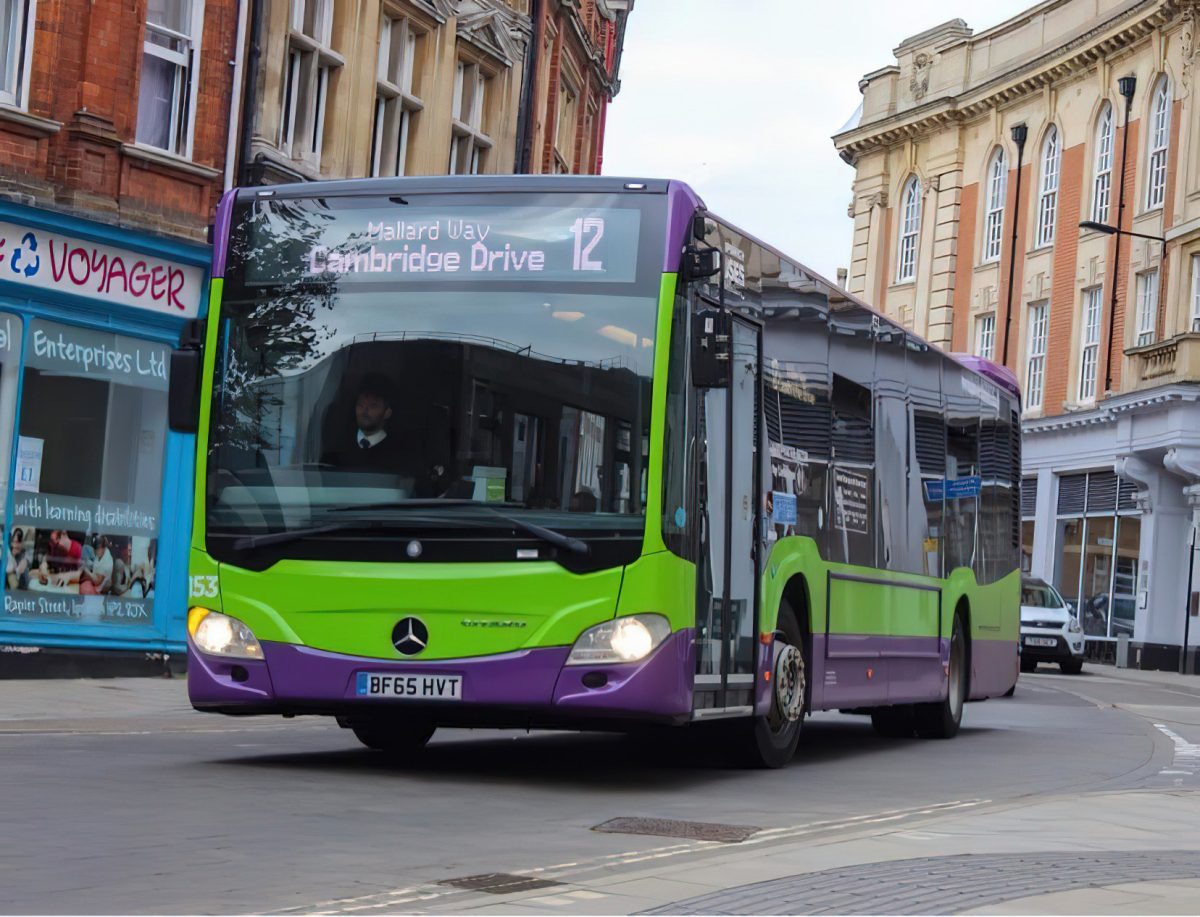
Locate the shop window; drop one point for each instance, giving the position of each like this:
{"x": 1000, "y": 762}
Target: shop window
{"x": 88, "y": 491}
{"x": 16, "y": 41}
{"x": 166, "y": 94}
{"x": 10, "y": 369}
{"x": 1028, "y": 513}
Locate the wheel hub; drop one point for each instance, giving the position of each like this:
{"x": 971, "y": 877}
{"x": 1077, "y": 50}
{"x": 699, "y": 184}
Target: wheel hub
{"x": 789, "y": 681}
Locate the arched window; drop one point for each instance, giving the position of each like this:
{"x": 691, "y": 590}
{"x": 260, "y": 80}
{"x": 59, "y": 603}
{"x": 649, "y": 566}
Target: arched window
{"x": 1048, "y": 198}
{"x": 910, "y": 226}
{"x": 1160, "y": 137}
{"x": 1102, "y": 184}
{"x": 997, "y": 188}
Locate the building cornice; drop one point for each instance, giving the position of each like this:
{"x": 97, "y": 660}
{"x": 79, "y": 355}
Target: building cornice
{"x": 1111, "y": 410}
{"x": 1072, "y": 57}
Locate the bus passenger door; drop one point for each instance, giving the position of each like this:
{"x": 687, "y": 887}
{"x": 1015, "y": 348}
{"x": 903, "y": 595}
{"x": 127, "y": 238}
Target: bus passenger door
{"x": 729, "y": 503}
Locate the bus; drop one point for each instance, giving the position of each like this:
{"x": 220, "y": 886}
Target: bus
{"x": 573, "y": 452}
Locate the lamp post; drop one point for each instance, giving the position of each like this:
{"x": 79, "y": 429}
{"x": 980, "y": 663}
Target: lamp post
{"x": 1019, "y": 133}
{"x": 1125, "y": 85}
{"x": 1114, "y": 231}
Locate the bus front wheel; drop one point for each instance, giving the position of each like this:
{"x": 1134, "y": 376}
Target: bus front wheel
{"x": 776, "y": 735}
{"x": 941, "y": 719}
{"x": 395, "y": 737}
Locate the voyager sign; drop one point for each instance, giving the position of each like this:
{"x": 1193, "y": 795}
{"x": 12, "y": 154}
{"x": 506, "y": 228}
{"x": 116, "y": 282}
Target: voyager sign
{"x": 53, "y": 261}
{"x": 466, "y": 243}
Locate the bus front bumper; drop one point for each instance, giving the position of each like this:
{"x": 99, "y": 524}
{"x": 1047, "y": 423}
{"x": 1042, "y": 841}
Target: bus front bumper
{"x": 528, "y": 686}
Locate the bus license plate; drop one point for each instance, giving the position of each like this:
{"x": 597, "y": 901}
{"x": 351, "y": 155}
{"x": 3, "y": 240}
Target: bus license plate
{"x": 409, "y": 687}
{"x": 1040, "y": 641}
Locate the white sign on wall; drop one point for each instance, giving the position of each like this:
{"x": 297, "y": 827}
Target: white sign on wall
{"x": 29, "y": 464}
{"x": 51, "y": 261}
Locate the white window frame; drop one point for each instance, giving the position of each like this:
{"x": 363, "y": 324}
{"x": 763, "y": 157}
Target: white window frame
{"x": 395, "y": 102}
{"x": 1157, "y": 147}
{"x": 1035, "y": 356}
{"x": 1194, "y": 324}
{"x": 187, "y": 82}
{"x": 568, "y": 103}
{"x": 993, "y": 222}
{"x": 14, "y": 84}
{"x": 310, "y": 62}
{"x": 1147, "y": 307}
{"x": 985, "y": 336}
{"x": 910, "y": 229}
{"x": 469, "y": 144}
{"x": 1102, "y": 181}
{"x": 1048, "y": 196}
{"x": 1089, "y": 343}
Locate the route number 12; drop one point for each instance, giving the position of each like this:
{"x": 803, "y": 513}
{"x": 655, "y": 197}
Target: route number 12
{"x": 583, "y": 227}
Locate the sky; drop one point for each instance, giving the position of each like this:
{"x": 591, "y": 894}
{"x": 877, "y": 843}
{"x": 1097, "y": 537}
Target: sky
{"x": 739, "y": 98}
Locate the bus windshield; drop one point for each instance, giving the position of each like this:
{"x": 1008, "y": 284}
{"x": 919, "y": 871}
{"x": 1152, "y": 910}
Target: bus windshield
{"x": 407, "y": 358}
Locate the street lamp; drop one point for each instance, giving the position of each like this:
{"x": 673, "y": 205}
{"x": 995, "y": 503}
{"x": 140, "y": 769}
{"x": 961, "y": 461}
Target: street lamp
{"x": 1113, "y": 231}
{"x": 1019, "y": 133}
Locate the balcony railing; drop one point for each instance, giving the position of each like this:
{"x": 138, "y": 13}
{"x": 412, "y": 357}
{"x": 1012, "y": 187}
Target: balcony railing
{"x": 1176, "y": 359}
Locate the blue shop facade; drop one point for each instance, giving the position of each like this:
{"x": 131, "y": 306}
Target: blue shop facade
{"x": 96, "y": 491}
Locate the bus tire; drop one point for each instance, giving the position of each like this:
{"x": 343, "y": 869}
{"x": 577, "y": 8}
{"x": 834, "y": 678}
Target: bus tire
{"x": 941, "y": 719}
{"x": 395, "y": 737}
{"x": 774, "y": 737}
{"x": 896, "y": 722}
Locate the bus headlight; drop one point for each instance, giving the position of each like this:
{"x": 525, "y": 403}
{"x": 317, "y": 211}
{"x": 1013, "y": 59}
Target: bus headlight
{"x": 221, "y": 635}
{"x": 626, "y": 639}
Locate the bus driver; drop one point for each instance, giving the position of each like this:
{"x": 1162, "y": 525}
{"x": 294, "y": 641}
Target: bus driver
{"x": 374, "y": 447}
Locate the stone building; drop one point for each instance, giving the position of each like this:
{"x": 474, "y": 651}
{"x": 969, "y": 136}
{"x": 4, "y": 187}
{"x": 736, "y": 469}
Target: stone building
{"x": 113, "y": 125}
{"x": 977, "y": 156}
{"x": 353, "y": 88}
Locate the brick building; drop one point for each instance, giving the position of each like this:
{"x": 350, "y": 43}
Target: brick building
{"x": 350, "y": 88}
{"x": 113, "y": 126}
{"x": 1094, "y": 100}
{"x": 579, "y": 58}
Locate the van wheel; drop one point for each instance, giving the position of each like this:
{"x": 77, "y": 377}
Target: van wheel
{"x": 941, "y": 719}
{"x": 395, "y": 737}
{"x": 774, "y": 737}
{"x": 1071, "y": 667}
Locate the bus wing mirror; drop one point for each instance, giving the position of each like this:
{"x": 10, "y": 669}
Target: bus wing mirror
{"x": 700, "y": 263}
{"x": 183, "y": 402}
{"x": 710, "y": 349}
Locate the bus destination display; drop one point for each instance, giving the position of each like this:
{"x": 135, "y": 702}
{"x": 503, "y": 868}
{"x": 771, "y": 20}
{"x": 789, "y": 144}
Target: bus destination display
{"x": 467, "y": 243}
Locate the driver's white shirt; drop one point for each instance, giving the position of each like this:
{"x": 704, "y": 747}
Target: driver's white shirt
{"x": 374, "y": 439}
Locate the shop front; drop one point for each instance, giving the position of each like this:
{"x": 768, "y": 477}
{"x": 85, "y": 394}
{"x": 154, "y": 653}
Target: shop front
{"x": 1109, "y": 500}
{"x": 96, "y": 491}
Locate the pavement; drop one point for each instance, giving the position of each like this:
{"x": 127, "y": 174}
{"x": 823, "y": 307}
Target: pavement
{"x": 1079, "y": 795}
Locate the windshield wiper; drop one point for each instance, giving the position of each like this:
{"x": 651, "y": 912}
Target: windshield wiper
{"x": 550, "y": 536}
{"x": 249, "y": 542}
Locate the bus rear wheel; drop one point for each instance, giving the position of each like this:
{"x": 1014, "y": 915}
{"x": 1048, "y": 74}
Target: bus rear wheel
{"x": 941, "y": 719}
{"x": 776, "y": 735}
{"x": 393, "y": 736}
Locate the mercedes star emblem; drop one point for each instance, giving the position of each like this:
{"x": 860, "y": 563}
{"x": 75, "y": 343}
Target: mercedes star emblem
{"x": 410, "y": 636}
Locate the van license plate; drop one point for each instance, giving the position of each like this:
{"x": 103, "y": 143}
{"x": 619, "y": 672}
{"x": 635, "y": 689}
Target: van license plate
{"x": 1040, "y": 641}
{"x": 409, "y": 687}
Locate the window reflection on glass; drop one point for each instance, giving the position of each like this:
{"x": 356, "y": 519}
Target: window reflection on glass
{"x": 1124, "y": 591}
{"x": 1027, "y": 526}
{"x": 1070, "y": 541}
{"x": 1095, "y": 596}
{"x": 88, "y": 492}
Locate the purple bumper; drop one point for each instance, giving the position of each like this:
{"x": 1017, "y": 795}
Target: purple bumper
{"x": 292, "y": 678}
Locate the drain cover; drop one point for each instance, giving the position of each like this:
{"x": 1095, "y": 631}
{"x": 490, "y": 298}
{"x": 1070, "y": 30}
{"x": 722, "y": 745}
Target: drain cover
{"x": 667, "y": 827}
{"x": 499, "y": 883}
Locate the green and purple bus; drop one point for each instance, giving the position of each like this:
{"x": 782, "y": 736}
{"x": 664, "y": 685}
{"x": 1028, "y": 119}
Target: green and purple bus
{"x": 572, "y": 452}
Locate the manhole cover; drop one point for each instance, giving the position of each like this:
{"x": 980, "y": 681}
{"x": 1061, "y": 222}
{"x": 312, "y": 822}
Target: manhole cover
{"x": 499, "y": 883}
{"x": 668, "y": 827}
